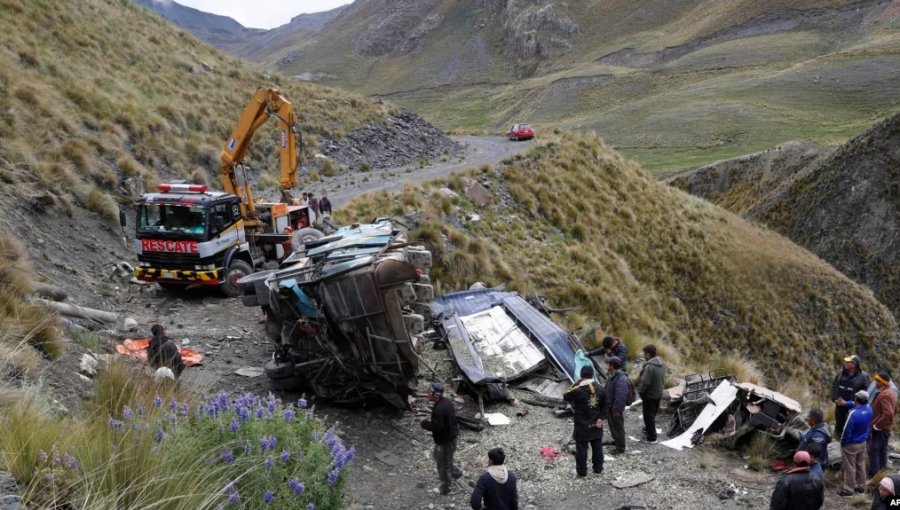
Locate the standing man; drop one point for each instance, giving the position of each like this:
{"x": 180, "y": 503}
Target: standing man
{"x": 799, "y": 489}
{"x": 325, "y": 205}
{"x": 444, "y": 430}
{"x": 849, "y": 381}
{"x": 884, "y": 406}
{"x": 853, "y": 443}
{"x": 817, "y": 434}
{"x": 496, "y": 486}
{"x": 650, "y": 388}
{"x": 612, "y": 346}
{"x": 314, "y": 203}
{"x": 616, "y": 396}
{"x": 589, "y": 404}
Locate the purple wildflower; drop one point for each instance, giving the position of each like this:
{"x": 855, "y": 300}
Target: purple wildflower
{"x": 311, "y": 506}
{"x": 309, "y": 415}
{"x": 57, "y": 461}
{"x": 288, "y": 414}
{"x": 260, "y": 412}
{"x": 115, "y": 424}
{"x": 302, "y": 403}
{"x": 172, "y": 418}
{"x": 270, "y": 463}
{"x": 157, "y": 401}
{"x": 296, "y": 486}
{"x": 227, "y": 455}
{"x": 231, "y": 490}
{"x": 267, "y": 443}
{"x": 49, "y": 477}
{"x": 183, "y": 410}
{"x": 285, "y": 456}
{"x": 141, "y": 410}
{"x": 235, "y": 426}
{"x": 127, "y": 413}
{"x": 268, "y": 497}
{"x": 160, "y": 435}
{"x": 248, "y": 447}
{"x": 70, "y": 461}
{"x": 243, "y": 413}
{"x": 333, "y": 477}
{"x": 173, "y": 404}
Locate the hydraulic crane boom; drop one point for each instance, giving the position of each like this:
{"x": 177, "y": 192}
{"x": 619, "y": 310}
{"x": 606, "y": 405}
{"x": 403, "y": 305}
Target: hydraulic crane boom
{"x": 264, "y": 104}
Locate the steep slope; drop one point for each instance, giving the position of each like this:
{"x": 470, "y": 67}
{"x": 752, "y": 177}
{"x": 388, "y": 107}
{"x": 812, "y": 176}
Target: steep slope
{"x": 672, "y": 84}
{"x": 101, "y": 95}
{"x": 575, "y": 221}
{"x": 842, "y": 205}
{"x": 220, "y": 31}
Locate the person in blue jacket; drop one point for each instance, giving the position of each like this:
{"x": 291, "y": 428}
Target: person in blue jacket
{"x": 817, "y": 433}
{"x": 853, "y": 443}
{"x": 616, "y": 400}
{"x": 496, "y": 487}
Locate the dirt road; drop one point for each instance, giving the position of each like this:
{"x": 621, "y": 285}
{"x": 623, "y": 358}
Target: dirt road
{"x": 479, "y": 150}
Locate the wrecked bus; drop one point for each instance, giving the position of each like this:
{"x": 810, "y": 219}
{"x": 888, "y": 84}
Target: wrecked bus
{"x": 343, "y": 314}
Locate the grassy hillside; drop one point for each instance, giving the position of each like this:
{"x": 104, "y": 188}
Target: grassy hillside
{"x": 575, "y": 221}
{"x": 671, "y": 84}
{"x": 96, "y": 92}
{"x": 843, "y": 204}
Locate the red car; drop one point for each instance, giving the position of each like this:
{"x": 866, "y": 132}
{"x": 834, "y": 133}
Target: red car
{"x": 520, "y": 132}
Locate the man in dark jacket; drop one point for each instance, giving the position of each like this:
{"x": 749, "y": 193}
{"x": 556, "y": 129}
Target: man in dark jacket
{"x": 162, "y": 351}
{"x": 612, "y": 346}
{"x": 496, "y": 486}
{"x": 850, "y": 380}
{"x": 616, "y": 396}
{"x": 444, "y": 430}
{"x": 886, "y": 497}
{"x": 650, "y": 388}
{"x": 798, "y": 490}
{"x": 884, "y": 407}
{"x": 589, "y": 404}
{"x": 314, "y": 203}
{"x": 817, "y": 433}
{"x": 325, "y": 205}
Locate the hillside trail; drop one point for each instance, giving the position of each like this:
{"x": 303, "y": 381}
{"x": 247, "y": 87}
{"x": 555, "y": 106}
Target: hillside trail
{"x": 478, "y": 150}
{"x": 393, "y": 468}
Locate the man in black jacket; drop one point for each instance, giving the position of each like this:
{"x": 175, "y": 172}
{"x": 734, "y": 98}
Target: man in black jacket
{"x": 650, "y": 388}
{"x": 612, "y": 346}
{"x": 162, "y": 351}
{"x": 589, "y": 404}
{"x": 849, "y": 381}
{"x": 799, "y": 489}
{"x": 444, "y": 430}
{"x": 496, "y": 486}
{"x": 616, "y": 396}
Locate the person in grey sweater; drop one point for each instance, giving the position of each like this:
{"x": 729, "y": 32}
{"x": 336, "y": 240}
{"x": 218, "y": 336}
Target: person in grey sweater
{"x": 650, "y": 388}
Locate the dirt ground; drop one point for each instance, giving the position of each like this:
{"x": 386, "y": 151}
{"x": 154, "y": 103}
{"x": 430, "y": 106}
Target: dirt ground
{"x": 393, "y": 468}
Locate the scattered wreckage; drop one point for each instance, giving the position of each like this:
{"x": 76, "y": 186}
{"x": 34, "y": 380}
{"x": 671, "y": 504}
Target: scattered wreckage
{"x": 342, "y": 313}
{"x": 717, "y": 403}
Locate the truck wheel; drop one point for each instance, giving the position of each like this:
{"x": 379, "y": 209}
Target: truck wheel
{"x": 305, "y": 235}
{"x": 249, "y": 300}
{"x": 237, "y": 270}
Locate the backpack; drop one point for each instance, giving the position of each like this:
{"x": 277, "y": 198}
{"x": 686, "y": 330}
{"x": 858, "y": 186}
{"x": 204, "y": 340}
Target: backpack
{"x": 630, "y": 397}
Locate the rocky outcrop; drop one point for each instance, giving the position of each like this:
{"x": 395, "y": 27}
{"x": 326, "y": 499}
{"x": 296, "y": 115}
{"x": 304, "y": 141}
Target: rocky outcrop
{"x": 398, "y": 28}
{"x": 537, "y": 30}
{"x": 404, "y": 139}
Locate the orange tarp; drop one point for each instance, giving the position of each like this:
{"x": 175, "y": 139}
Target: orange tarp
{"x": 137, "y": 349}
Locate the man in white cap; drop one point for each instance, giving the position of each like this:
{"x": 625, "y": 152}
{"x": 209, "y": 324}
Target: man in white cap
{"x": 853, "y": 443}
{"x": 799, "y": 489}
{"x": 887, "y": 493}
{"x": 444, "y": 431}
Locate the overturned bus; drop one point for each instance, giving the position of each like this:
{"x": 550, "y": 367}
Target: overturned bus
{"x": 344, "y": 312}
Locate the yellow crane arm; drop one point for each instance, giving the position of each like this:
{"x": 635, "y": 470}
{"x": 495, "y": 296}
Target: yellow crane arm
{"x": 263, "y": 104}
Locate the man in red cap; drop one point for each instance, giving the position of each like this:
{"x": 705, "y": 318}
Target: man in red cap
{"x": 799, "y": 489}
{"x": 849, "y": 381}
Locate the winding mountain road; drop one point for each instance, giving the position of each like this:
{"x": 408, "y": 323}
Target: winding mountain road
{"x": 479, "y": 150}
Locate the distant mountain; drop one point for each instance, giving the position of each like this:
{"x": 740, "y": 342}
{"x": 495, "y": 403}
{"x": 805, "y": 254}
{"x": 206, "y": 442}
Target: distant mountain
{"x": 842, "y": 204}
{"x": 670, "y": 83}
{"x": 229, "y": 35}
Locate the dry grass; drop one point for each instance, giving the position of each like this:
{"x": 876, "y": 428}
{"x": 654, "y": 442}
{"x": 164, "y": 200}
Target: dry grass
{"x": 98, "y": 91}
{"x": 760, "y": 452}
{"x": 647, "y": 262}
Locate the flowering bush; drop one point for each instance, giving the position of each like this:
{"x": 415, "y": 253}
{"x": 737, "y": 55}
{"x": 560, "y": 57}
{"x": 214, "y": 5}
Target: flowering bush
{"x": 222, "y": 453}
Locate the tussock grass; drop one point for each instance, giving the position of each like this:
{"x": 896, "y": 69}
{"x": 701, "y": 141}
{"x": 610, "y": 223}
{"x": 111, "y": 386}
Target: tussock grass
{"x": 99, "y": 91}
{"x": 760, "y": 452}
{"x": 798, "y": 390}
{"x": 649, "y": 261}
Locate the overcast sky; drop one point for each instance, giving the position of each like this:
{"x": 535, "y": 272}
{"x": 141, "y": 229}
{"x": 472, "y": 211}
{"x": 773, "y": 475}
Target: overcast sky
{"x": 263, "y": 13}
